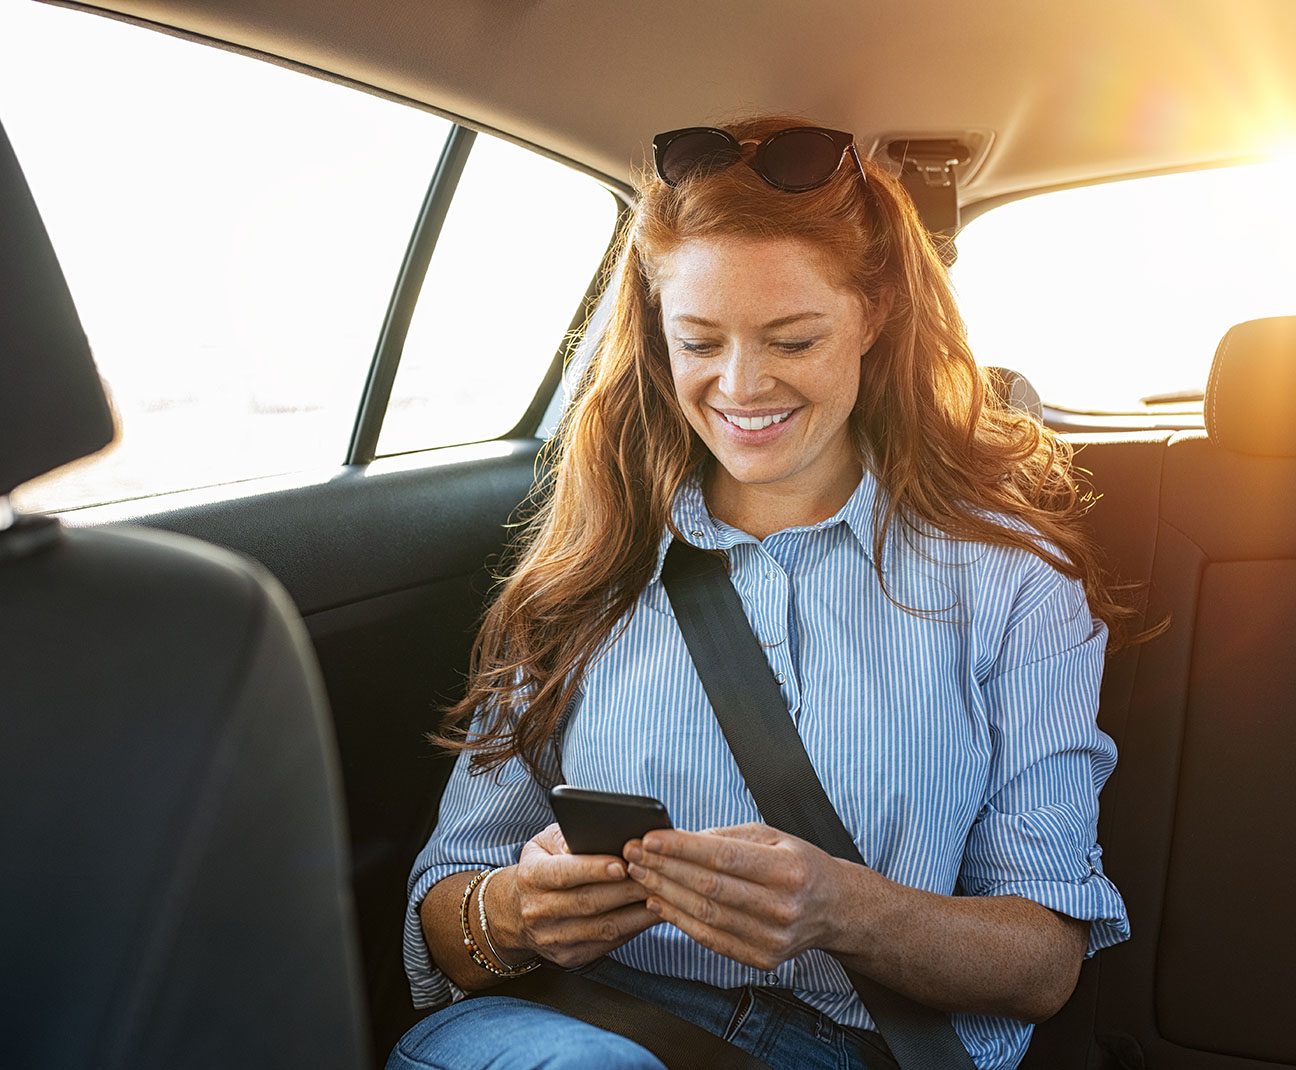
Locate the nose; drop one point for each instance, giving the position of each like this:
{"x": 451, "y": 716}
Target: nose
{"x": 745, "y": 377}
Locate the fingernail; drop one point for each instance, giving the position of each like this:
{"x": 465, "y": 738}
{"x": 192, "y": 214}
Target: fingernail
{"x": 633, "y": 854}
{"x": 615, "y": 871}
{"x": 654, "y": 905}
{"x": 652, "y": 844}
{"x": 637, "y": 872}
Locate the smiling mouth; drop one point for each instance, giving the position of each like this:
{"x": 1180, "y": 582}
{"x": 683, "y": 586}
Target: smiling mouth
{"x": 756, "y": 423}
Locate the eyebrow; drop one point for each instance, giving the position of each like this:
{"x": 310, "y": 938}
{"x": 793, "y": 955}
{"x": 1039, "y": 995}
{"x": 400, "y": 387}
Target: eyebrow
{"x": 782, "y": 321}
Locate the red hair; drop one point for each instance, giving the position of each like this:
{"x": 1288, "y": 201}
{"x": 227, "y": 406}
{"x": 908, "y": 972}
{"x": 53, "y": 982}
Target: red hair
{"x": 946, "y": 451}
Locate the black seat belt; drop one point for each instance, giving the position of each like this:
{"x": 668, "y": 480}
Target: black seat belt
{"x": 676, "y": 1041}
{"x": 756, "y": 724}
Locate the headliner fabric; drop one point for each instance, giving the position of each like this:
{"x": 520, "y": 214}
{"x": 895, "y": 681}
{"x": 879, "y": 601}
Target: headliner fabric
{"x": 593, "y": 81}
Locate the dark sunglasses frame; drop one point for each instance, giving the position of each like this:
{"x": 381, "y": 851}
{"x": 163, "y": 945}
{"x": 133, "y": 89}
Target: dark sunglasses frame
{"x": 729, "y": 151}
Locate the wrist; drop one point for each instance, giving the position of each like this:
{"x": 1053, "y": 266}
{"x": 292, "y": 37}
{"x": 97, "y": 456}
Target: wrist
{"x": 864, "y": 911}
{"x": 476, "y": 931}
{"x": 503, "y": 912}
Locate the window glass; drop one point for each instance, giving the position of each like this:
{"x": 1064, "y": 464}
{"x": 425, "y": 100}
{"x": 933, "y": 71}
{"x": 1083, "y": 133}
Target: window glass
{"x": 1109, "y": 294}
{"x": 231, "y": 232}
{"x": 523, "y": 238}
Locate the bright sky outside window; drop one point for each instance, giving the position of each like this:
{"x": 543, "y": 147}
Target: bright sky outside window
{"x": 518, "y": 250}
{"x": 230, "y": 231}
{"x": 1107, "y": 294}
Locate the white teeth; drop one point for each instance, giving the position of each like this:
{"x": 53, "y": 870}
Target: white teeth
{"x": 756, "y": 423}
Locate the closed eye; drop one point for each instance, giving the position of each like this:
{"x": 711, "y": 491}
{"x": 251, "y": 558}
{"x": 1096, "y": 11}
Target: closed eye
{"x": 795, "y": 347}
{"x": 700, "y": 348}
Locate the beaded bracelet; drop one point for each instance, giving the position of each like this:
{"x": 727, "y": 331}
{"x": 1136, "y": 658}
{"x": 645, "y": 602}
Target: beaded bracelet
{"x": 481, "y": 916}
{"x": 478, "y": 956}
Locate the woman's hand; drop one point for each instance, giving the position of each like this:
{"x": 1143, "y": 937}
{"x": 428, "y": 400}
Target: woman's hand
{"x": 762, "y": 897}
{"x": 568, "y": 908}
{"x": 750, "y": 892}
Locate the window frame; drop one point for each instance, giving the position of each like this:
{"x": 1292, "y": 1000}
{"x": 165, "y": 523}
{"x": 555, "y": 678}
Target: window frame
{"x": 372, "y": 412}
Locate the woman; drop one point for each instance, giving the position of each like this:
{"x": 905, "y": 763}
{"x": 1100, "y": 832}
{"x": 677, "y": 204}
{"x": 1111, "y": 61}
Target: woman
{"x": 784, "y": 377}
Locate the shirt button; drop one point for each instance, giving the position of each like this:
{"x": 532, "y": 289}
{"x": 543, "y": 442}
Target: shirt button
{"x": 771, "y": 978}
{"x": 696, "y": 534}
{"x": 779, "y": 678}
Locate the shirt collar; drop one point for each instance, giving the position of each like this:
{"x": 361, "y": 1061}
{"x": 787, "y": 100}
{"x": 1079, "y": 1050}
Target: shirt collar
{"x": 701, "y": 529}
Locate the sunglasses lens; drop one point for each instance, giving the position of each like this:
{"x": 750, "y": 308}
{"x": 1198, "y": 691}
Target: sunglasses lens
{"x": 799, "y": 159}
{"x": 702, "y": 150}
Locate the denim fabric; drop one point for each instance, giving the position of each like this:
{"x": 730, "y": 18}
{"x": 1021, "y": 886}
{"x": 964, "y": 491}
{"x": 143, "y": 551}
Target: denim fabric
{"x": 502, "y": 1033}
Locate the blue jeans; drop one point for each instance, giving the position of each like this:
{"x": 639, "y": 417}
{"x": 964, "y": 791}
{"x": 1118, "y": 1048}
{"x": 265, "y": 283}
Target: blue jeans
{"x": 502, "y": 1033}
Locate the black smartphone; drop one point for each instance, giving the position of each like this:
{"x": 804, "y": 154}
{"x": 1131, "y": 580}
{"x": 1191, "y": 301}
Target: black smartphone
{"x": 600, "y": 822}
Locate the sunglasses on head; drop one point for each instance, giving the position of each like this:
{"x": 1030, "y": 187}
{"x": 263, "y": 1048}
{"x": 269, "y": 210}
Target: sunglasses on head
{"x": 795, "y": 160}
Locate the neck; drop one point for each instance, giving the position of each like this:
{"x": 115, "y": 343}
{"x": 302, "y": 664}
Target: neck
{"x": 761, "y": 510}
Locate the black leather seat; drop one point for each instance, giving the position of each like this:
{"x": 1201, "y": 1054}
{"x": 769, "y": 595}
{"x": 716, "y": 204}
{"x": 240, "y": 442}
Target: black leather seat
{"x": 173, "y": 868}
{"x": 1203, "y": 817}
{"x": 1198, "y": 820}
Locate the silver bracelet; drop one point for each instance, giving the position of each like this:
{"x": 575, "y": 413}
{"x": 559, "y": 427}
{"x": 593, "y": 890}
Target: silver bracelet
{"x": 481, "y": 916}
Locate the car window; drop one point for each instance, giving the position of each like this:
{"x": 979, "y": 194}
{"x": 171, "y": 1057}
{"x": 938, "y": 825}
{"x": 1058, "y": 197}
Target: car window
{"x": 522, "y": 240}
{"x": 1106, "y": 295}
{"x": 231, "y": 232}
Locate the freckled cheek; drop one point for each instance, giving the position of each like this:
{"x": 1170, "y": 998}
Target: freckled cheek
{"x": 690, "y": 389}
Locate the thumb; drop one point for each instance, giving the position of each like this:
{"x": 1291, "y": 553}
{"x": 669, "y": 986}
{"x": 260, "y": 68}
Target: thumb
{"x": 550, "y": 840}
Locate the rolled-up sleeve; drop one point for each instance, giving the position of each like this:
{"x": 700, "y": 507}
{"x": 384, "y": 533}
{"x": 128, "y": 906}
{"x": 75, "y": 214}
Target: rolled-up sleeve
{"x": 1036, "y": 833}
{"x": 485, "y": 819}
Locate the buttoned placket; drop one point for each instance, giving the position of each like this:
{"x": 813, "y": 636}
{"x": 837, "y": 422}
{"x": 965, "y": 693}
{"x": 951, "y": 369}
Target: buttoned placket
{"x": 766, "y": 590}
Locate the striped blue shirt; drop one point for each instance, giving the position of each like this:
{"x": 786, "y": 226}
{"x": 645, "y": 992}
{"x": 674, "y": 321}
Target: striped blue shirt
{"x": 958, "y": 744}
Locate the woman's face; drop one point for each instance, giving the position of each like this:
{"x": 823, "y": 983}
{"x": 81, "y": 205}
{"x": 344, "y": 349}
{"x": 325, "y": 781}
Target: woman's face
{"x": 765, "y": 351}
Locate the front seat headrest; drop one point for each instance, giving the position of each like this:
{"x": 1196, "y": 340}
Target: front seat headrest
{"x": 52, "y": 404}
{"x": 1251, "y": 393}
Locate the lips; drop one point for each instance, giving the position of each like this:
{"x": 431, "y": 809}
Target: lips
{"x": 754, "y": 427}
{"x": 756, "y": 422}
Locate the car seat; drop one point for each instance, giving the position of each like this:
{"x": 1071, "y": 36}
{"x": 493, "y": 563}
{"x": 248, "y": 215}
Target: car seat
{"x": 173, "y": 866}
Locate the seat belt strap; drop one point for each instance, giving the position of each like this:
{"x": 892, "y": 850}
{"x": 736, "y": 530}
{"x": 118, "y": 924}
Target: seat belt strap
{"x": 756, "y": 724}
{"x": 676, "y": 1041}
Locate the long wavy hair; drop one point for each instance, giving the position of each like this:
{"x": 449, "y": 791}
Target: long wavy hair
{"x": 948, "y": 453}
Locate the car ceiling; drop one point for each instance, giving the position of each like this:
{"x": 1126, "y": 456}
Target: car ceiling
{"x": 1070, "y": 92}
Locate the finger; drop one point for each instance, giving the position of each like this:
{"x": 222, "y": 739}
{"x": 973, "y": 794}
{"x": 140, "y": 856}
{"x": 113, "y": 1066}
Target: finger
{"x": 539, "y": 868}
{"x": 615, "y": 927}
{"x": 591, "y": 900}
{"x": 753, "y": 832}
{"x": 715, "y": 900}
{"x": 738, "y": 856}
{"x": 551, "y": 839}
{"x": 725, "y": 943}
{"x": 574, "y": 941}
{"x": 547, "y": 906}
{"x": 610, "y": 927}
{"x": 657, "y": 872}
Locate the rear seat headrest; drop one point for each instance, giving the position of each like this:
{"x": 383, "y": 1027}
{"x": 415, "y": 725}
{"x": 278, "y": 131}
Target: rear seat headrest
{"x": 52, "y": 404}
{"x": 1016, "y": 391}
{"x": 1251, "y": 394}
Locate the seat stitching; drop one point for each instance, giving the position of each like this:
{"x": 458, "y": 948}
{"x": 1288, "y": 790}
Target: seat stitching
{"x": 1216, "y": 374}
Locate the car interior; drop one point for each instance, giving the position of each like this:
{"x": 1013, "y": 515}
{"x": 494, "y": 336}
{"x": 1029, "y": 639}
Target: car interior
{"x": 215, "y": 697}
